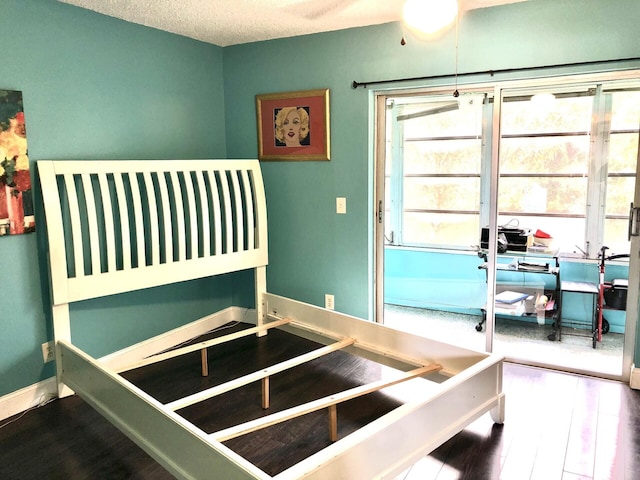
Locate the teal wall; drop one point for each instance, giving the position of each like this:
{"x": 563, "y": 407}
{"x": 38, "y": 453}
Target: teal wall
{"x": 95, "y": 87}
{"x": 313, "y": 251}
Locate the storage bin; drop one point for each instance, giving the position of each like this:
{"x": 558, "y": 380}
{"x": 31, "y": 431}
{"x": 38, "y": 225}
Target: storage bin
{"x": 615, "y": 296}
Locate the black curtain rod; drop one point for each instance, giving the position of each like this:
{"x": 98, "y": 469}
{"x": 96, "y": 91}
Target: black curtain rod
{"x": 356, "y": 84}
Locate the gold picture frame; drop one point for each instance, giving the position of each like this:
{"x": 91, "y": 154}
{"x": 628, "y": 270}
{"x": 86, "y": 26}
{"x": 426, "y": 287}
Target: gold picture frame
{"x": 293, "y": 126}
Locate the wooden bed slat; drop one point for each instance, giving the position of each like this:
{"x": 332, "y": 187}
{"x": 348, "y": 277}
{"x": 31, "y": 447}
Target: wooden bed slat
{"x": 217, "y": 211}
{"x": 165, "y": 219}
{"x": 226, "y": 200}
{"x": 259, "y": 375}
{"x": 200, "y": 345}
{"x": 124, "y": 221}
{"x": 155, "y": 246}
{"x": 249, "y": 205}
{"x": 194, "y": 239}
{"x": 288, "y": 414}
{"x": 109, "y": 225}
{"x": 239, "y": 215}
{"x": 204, "y": 208}
{"x": 138, "y": 221}
{"x": 92, "y": 221}
{"x": 76, "y": 229}
{"x": 179, "y": 225}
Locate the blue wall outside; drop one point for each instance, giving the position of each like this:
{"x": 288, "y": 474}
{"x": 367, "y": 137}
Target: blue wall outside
{"x": 431, "y": 279}
{"x": 451, "y": 281}
{"x": 95, "y": 87}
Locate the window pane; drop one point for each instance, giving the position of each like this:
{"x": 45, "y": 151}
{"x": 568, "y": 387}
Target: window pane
{"x": 569, "y": 114}
{"x": 625, "y": 108}
{"x": 441, "y": 229}
{"x": 619, "y": 195}
{"x": 442, "y": 119}
{"x": 543, "y": 195}
{"x": 545, "y": 155}
{"x": 544, "y": 165}
{"x": 616, "y": 235}
{"x": 442, "y": 156}
{"x": 623, "y": 153}
{"x": 442, "y": 193}
{"x": 441, "y": 163}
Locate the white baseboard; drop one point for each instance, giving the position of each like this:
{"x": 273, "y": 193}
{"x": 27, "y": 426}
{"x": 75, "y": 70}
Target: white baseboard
{"x": 634, "y": 381}
{"x": 38, "y": 393}
{"x": 27, "y": 397}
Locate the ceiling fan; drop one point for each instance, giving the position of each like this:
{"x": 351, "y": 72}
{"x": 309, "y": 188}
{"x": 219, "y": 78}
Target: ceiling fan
{"x": 313, "y": 9}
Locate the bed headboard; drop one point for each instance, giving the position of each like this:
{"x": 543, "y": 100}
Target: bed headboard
{"x": 118, "y": 226}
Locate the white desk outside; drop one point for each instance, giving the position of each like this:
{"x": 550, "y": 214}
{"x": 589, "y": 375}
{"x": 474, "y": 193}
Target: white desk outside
{"x": 520, "y": 265}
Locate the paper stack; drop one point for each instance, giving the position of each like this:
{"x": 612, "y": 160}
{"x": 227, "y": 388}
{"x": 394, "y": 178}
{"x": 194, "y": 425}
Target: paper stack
{"x": 510, "y": 303}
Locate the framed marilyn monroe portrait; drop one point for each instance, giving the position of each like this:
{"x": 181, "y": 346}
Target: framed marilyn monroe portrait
{"x": 293, "y": 125}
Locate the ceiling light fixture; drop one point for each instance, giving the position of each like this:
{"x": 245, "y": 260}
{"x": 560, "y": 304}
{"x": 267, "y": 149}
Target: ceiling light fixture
{"x": 429, "y": 16}
{"x": 545, "y": 98}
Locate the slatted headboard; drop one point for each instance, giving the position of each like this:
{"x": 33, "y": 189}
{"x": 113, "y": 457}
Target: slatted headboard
{"x": 118, "y": 226}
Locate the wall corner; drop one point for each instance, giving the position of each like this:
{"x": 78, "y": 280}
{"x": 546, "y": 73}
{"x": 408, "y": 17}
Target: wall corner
{"x": 634, "y": 380}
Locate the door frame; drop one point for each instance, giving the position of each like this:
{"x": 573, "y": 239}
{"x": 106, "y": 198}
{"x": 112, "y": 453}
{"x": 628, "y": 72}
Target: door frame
{"x": 379, "y": 154}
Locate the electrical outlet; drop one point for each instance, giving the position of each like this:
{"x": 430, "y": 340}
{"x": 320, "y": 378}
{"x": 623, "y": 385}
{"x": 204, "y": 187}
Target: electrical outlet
{"x": 341, "y": 205}
{"x": 48, "y": 353}
{"x": 329, "y": 303}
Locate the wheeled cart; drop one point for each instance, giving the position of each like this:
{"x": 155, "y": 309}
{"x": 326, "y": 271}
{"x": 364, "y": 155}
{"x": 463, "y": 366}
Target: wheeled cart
{"x": 584, "y": 288}
{"x": 598, "y": 291}
{"x": 521, "y": 265}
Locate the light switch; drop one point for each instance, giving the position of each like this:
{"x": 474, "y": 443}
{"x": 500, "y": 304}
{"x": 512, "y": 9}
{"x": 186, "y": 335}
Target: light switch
{"x": 341, "y": 205}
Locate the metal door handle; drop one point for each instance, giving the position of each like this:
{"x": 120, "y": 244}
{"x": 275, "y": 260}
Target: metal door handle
{"x": 634, "y": 221}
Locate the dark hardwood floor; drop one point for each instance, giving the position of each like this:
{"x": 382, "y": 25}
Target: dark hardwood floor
{"x": 558, "y": 426}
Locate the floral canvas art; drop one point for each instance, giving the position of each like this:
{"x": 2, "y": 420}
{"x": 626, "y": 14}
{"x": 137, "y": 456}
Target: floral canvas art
{"x": 16, "y": 204}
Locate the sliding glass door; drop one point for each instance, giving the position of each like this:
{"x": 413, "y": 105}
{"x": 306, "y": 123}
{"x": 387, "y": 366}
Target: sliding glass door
{"x": 511, "y": 188}
{"x": 432, "y": 195}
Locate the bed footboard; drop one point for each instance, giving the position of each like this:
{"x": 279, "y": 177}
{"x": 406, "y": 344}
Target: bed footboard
{"x": 179, "y": 446}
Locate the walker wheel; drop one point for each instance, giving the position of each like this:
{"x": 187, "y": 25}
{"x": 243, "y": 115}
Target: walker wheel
{"x": 605, "y": 326}
{"x": 478, "y": 328}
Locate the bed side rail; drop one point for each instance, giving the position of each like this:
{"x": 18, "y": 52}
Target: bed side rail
{"x": 117, "y": 226}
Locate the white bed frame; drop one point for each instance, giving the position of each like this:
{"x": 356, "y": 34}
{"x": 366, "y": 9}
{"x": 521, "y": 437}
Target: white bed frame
{"x": 119, "y": 226}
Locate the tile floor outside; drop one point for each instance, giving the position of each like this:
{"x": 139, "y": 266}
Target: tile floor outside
{"x": 519, "y": 341}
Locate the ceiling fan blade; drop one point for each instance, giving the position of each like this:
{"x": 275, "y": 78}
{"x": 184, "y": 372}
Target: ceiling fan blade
{"x": 312, "y": 9}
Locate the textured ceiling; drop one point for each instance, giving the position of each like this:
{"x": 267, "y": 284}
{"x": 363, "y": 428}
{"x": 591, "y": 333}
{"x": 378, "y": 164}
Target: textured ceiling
{"x": 231, "y": 22}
